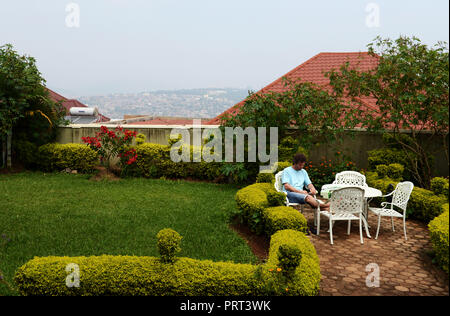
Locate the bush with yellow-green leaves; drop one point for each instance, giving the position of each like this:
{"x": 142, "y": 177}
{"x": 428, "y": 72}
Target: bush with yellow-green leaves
{"x": 439, "y": 237}
{"x": 292, "y": 269}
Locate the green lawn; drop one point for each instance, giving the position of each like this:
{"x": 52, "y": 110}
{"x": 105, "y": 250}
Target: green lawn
{"x": 68, "y": 215}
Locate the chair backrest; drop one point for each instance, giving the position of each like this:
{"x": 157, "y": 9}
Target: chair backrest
{"x": 350, "y": 178}
{"x": 347, "y": 200}
{"x": 401, "y": 194}
{"x": 278, "y": 184}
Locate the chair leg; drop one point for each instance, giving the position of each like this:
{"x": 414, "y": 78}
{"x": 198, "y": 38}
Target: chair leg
{"x": 331, "y": 231}
{"x": 348, "y": 227}
{"x": 404, "y": 228}
{"x": 392, "y": 221}
{"x": 378, "y": 228}
{"x": 360, "y": 231}
{"x": 318, "y": 224}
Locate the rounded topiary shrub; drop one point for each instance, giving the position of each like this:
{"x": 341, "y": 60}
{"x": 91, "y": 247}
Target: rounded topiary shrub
{"x": 289, "y": 257}
{"x": 439, "y": 186}
{"x": 276, "y": 198}
{"x": 168, "y": 244}
{"x": 265, "y": 177}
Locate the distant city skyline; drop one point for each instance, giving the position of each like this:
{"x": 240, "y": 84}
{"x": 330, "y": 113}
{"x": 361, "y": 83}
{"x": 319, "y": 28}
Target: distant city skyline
{"x": 99, "y": 47}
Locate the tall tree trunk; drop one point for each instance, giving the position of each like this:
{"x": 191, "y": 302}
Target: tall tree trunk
{"x": 8, "y": 150}
{"x": 3, "y": 139}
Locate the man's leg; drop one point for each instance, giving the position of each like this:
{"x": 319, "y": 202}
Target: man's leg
{"x": 295, "y": 197}
{"x": 314, "y": 203}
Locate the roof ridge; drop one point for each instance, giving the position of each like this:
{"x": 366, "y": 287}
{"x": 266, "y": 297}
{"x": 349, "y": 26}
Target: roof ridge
{"x": 62, "y": 97}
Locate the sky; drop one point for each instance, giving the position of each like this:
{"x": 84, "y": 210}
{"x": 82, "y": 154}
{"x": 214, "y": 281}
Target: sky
{"x": 96, "y": 47}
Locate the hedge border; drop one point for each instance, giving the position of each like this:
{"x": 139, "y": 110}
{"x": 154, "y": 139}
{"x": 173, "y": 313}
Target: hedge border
{"x": 131, "y": 275}
{"x": 439, "y": 228}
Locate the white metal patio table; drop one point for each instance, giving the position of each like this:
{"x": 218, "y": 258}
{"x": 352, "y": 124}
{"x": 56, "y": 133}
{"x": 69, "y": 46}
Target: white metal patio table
{"x": 369, "y": 193}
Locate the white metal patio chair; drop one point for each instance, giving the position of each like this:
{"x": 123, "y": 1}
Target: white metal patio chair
{"x": 351, "y": 178}
{"x": 346, "y": 204}
{"x": 400, "y": 198}
{"x": 279, "y": 188}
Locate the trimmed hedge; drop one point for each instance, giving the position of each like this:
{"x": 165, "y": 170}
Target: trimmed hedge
{"x": 439, "y": 237}
{"x": 252, "y": 201}
{"x": 423, "y": 204}
{"x": 255, "y": 201}
{"x": 56, "y": 157}
{"x": 283, "y": 217}
{"x": 131, "y": 275}
{"x": 154, "y": 162}
{"x": 307, "y": 276}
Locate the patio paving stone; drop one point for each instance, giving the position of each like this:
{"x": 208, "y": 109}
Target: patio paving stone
{"x": 405, "y": 266}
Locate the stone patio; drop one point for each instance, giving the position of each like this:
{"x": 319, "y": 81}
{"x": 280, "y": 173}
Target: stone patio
{"x": 405, "y": 267}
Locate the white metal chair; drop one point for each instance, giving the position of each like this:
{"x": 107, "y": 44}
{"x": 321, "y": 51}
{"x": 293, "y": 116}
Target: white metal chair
{"x": 345, "y": 204}
{"x": 400, "y": 198}
{"x": 279, "y": 188}
{"x": 351, "y": 178}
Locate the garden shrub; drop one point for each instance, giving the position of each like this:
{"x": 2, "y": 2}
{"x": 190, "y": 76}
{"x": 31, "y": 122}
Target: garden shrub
{"x": 289, "y": 257}
{"x": 283, "y": 217}
{"x": 54, "y": 157}
{"x": 168, "y": 244}
{"x": 265, "y": 177}
{"x": 251, "y": 201}
{"x": 289, "y": 147}
{"x": 393, "y": 171}
{"x": 439, "y": 186}
{"x": 439, "y": 237}
{"x": 140, "y": 139}
{"x": 305, "y": 281}
{"x": 132, "y": 275}
{"x": 423, "y": 204}
{"x": 276, "y": 198}
{"x": 256, "y": 211}
{"x": 387, "y": 156}
{"x": 393, "y": 153}
{"x": 154, "y": 162}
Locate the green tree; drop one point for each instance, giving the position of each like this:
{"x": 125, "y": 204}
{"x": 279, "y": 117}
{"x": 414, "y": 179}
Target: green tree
{"x": 303, "y": 108}
{"x": 410, "y": 85}
{"x": 25, "y": 106}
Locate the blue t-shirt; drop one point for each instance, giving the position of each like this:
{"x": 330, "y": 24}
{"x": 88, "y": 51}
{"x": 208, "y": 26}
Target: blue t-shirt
{"x": 298, "y": 179}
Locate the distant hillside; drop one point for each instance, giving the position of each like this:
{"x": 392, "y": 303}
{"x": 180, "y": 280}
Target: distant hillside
{"x": 201, "y": 103}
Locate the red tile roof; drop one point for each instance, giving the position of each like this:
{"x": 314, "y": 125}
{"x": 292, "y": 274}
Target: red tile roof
{"x": 313, "y": 71}
{"x": 70, "y": 103}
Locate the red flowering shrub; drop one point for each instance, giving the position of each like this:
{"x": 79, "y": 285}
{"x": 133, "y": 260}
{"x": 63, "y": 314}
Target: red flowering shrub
{"x": 110, "y": 143}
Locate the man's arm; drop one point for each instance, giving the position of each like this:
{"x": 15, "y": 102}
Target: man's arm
{"x": 290, "y": 188}
{"x": 312, "y": 189}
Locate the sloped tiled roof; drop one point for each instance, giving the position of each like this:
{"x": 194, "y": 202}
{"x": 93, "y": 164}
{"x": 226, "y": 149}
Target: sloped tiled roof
{"x": 70, "y": 103}
{"x": 313, "y": 71}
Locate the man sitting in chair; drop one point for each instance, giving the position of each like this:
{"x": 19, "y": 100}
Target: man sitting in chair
{"x": 295, "y": 179}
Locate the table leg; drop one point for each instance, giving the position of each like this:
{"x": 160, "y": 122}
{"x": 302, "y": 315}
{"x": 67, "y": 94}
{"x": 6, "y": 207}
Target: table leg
{"x": 365, "y": 217}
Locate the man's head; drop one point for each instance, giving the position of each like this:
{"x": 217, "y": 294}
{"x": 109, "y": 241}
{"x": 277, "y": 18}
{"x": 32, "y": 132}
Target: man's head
{"x": 299, "y": 161}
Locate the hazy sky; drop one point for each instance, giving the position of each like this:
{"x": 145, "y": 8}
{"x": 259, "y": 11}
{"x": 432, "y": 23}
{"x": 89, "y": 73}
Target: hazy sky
{"x": 141, "y": 45}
